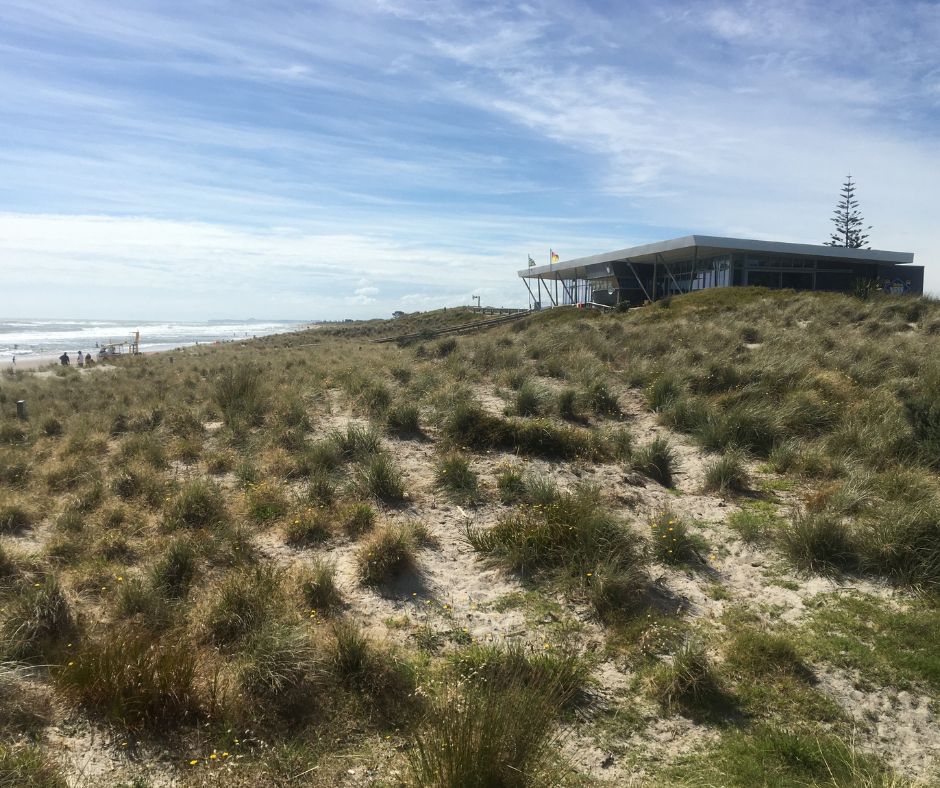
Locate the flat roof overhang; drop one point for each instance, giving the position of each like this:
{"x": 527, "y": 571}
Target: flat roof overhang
{"x": 678, "y": 249}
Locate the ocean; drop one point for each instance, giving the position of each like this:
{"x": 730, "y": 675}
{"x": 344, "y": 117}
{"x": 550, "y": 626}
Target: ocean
{"x": 49, "y": 338}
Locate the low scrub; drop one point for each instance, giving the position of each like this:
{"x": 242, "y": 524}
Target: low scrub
{"x": 26, "y": 765}
{"x": 469, "y": 426}
{"x": 310, "y": 526}
{"x": 174, "y": 571}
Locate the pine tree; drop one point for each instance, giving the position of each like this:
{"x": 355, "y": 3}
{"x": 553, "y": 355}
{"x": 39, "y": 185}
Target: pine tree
{"x": 850, "y": 230}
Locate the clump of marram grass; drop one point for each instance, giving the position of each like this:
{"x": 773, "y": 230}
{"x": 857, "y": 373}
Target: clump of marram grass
{"x": 198, "y": 504}
{"x": 819, "y": 542}
{"x": 309, "y": 526}
{"x": 479, "y": 733}
{"x": 14, "y": 516}
{"x": 575, "y": 537}
{"x": 390, "y": 552}
{"x": 279, "y": 673}
{"x": 453, "y": 474}
{"x": 529, "y": 400}
{"x": 672, "y": 541}
{"x": 240, "y": 604}
{"x": 266, "y": 501}
{"x": 174, "y": 571}
{"x": 380, "y": 478}
{"x": 562, "y": 673}
{"x": 319, "y": 589}
{"x": 657, "y": 460}
{"x": 759, "y": 654}
{"x": 689, "y": 682}
{"x": 23, "y": 764}
{"x": 132, "y": 679}
{"x": 510, "y": 483}
{"x": 355, "y": 443}
{"x": 601, "y": 400}
{"x": 37, "y": 621}
{"x": 567, "y": 404}
{"x": 241, "y": 395}
{"x": 469, "y": 426}
{"x": 357, "y": 518}
{"x": 387, "y": 681}
{"x": 403, "y": 420}
{"x": 726, "y": 474}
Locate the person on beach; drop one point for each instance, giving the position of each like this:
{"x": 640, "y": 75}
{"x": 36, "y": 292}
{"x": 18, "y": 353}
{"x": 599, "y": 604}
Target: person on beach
{"x": 64, "y": 359}
{"x": 81, "y": 359}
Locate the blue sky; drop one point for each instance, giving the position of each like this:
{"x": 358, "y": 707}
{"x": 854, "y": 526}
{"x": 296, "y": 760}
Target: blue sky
{"x": 322, "y": 160}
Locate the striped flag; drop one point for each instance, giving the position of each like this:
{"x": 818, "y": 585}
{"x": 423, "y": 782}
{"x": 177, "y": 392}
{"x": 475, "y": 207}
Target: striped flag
{"x": 531, "y": 262}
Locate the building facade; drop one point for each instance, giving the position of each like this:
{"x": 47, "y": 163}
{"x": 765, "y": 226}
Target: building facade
{"x": 697, "y": 262}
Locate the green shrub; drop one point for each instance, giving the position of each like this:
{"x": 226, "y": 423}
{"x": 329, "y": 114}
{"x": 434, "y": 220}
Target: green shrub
{"x": 902, "y": 542}
{"x": 657, "y": 460}
{"x": 728, "y": 473}
{"x": 133, "y": 679}
{"x": 241, "y": 395}
{"x": 198, "y": 504}
{"x": 454, "y": 474}
{"x": 380, "y": 478}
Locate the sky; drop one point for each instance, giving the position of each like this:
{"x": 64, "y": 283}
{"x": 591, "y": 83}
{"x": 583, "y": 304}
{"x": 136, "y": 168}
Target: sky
{"x": 322, "y": 160}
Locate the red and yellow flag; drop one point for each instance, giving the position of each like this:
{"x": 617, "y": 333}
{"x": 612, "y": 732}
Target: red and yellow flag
{"x": 552, "y": 256}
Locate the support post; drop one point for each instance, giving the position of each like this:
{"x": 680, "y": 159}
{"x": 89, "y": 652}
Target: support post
{"x": 639, "y": 281}
{"x": 21, "y": 412}
{"x": 525, "y": 281}
{"x": 655, "y": 266}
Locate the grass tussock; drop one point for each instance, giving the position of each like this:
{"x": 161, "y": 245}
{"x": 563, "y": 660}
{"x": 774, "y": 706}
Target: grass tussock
{"x": 37, "y": 621}
{"x": 389, "y": 552}
{"x": 727, "y": 474}
{"x": 454, "y": 475}
{"x": 130, "y": 678}
{"x": 657, "y": 460}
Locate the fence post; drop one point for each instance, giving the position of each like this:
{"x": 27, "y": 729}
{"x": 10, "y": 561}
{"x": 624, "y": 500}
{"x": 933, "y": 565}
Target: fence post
{"x": 21, "y": 410}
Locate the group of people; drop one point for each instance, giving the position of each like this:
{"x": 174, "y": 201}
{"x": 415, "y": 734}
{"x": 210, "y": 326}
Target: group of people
{"x": 84, "y": 359}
